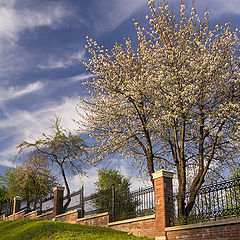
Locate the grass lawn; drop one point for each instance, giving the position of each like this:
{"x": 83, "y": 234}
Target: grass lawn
{"x": 45, "y": 230}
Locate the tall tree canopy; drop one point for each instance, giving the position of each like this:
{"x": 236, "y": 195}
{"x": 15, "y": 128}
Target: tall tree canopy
{"x": 172, "y": 100}
{"x": 60, "y": 148}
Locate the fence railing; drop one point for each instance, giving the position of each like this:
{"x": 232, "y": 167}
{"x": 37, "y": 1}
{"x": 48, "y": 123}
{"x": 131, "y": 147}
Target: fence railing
{"x": 6, "y": 208}
{"x": 76, "y": 200}
{"x": 216, "y": 201}
{"x": 43, "y": 205}
{"x": 136, "y": 204}
{"x": 120, "y": 204}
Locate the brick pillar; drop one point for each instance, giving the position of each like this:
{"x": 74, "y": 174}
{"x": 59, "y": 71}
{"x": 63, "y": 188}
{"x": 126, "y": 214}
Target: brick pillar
{"x": 163, "y": 201}
{"x": 16, "y": 204}
{"x": 58, "y": 201}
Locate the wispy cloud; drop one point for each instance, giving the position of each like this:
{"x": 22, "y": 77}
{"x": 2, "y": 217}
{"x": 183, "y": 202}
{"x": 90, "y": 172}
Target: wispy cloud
{"x": 22, "y": 125}
{"x": 114, "y": 12}
{"x": 79, "y": 77}
{"x": 17, "y": 17}
{"x": 14, "y": 18}
{"x": 10, "y": 93}
{"x": 68, "y": 59}
{"x": 219, "y": 7}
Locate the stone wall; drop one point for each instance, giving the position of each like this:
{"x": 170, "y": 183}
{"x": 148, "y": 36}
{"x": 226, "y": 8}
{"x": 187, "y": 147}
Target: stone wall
{"x": 221, "y": 230}
{"x": 70, "y": 217}
{"x": 142, "y": 226}
{"x": 101, "y": 219}
{"x": 46, "y": 216}
{"x": 31, "y": 215}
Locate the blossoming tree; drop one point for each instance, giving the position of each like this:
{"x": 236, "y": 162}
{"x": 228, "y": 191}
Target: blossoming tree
{"x": 172, "y": 100}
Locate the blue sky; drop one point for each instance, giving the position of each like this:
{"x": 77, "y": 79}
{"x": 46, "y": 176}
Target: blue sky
{"x": 41, "y": 52}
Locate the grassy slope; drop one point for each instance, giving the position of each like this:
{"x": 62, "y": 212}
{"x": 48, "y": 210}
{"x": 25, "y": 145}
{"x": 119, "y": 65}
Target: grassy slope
{"x": 45, "y": 230}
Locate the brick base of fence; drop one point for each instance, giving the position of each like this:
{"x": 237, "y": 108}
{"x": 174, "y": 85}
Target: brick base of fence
{"x": 222, "y": 230}
{"x": 150, "y": 226}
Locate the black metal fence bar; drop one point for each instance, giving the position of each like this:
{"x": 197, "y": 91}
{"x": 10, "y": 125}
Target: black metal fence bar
{"x": 98, "y": 202}
{"x": 136, "y": 204}
{"x": 120, "y": 204}
{"x": 216, "y": 201}
{"x": 76, "y": 200}
{"x": 7, "y": 208}
{"x": 47, "y": 204}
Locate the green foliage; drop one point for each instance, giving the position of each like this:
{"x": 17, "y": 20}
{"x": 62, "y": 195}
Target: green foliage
{"x": 46, "y": 230}
{"x": 124, "y": 204}
{"x": 7, "y": 182}
{"x": 32, "y": 180}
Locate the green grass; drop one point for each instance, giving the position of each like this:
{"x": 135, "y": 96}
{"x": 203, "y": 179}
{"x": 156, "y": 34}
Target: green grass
{"x": 45, "y": 230}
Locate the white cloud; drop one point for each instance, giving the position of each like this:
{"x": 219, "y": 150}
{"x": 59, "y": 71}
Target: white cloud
{"x": 15, "y": 20}
{"x": 7, "y": 94}
{"x": 79, "y": 77}
{"x": 76, "y": 181}
{"x": 218, "y": 7}
{"x": 17, "y": 17}
{"x": 114, "y": 12}
{"x": 24, "y": 125}
{"x": 54, "y": 62}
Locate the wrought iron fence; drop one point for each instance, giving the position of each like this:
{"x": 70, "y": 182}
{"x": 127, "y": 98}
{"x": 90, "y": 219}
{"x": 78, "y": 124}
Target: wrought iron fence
{"x": 98, "y": 202}
{"x": 43, "y": 205}
{"x": 120, "y": 204}
{"x": 46, "y": 205}
{"x": 6, "y": 208}
{"x": 135, "y": 204}
{"x": 216, "y": 201}
{"x": 76, "y": 200}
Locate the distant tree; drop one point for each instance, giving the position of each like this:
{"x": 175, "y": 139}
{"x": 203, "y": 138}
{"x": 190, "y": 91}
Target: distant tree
{"x": 33, "y": 181}
{"x": 7, "y": 181}
{"x": 2, "y": 197}
{"x": 124, "y": 204}
{"x": 171, "y": 100}
{"x": 58, "y": 148}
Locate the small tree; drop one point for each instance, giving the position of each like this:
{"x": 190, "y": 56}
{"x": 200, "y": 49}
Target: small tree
{"x": 59, "y": 148}
{"x": 124, "y": 204}
{"x": 32, "y": 181}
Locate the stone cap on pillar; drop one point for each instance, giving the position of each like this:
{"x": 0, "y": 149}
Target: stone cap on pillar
{"x": 17, "y": 198}
{"x": 59, "y": 188}
{"x": 163, "y": 173}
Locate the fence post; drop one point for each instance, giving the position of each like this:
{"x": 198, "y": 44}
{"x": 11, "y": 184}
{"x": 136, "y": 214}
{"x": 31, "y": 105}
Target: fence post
{"x": 163, "y": 191}
{"x": 58, "y": 201}
{"x": 82, "y": 203}
{"x": 16, "y": 204}
{"x": 113, "y": 203}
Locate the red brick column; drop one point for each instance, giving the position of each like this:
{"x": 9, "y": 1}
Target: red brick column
{"x": 16, "y": 204}
{"x": 163, "y": 201}
{"x": 58, "y": 201}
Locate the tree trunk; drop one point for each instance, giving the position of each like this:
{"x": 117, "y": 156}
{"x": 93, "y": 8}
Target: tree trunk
{"x": 150, "y": 166}
{"x": 67, "y": 189}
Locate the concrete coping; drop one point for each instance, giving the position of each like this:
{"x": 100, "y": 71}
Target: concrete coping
{"x": 95, "y": 216}
{"x": 202, "y": 225}
{"x": 17, "y": 198}
{"x": 163, "y": 173}
{"x": 45, "y": 214}
{"x": 16, "y": 213}
{"x": 27, "y": 214}
{"x": 67, "y": 213}
{"x": 59, "y": 188}
{"x": 132, "y": 220}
